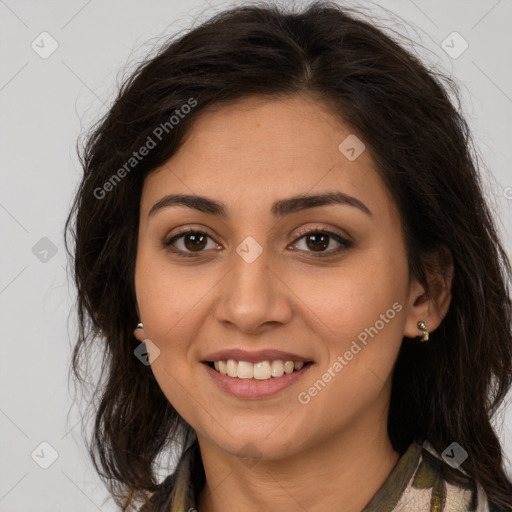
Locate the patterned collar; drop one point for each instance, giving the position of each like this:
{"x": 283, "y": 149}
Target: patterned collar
{"x": 421, "y": 481}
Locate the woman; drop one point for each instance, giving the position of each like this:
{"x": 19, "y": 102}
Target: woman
{"x": 281, "y": 242}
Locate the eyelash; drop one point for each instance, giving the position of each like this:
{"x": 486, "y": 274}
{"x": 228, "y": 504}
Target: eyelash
{"x": 345, "y": 244}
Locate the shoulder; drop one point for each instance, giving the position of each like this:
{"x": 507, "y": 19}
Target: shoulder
{"x": 426, "y": 481}
{"x": 450, "y": 484}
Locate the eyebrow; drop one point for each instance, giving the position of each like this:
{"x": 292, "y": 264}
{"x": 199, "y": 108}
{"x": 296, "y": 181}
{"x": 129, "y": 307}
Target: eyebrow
{"x": 280, "y": 208}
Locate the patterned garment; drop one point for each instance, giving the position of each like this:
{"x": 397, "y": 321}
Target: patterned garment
{"x": 421, "y": 481}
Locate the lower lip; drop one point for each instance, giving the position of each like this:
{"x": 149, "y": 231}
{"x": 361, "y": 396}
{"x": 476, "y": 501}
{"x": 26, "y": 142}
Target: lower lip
{"x": 253, "y": 388}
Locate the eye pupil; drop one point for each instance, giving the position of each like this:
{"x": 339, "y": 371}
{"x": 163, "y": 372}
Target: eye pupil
{"x": 198, "y": 241}
{"x": 324, "y": 243}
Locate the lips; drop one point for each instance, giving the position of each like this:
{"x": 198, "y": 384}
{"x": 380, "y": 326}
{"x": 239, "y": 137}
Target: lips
{"x": 253, "y": 388}
{"x": 255, "y": 374}
{"x": 254, "y": 356}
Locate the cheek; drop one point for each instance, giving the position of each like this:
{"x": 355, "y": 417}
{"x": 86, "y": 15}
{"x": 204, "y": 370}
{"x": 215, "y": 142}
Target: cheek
{"x": 173, "y": 306}
{"x": 167, "y": 295}
{"x": 352, "y": 297}
{"x": 361, "y": 311}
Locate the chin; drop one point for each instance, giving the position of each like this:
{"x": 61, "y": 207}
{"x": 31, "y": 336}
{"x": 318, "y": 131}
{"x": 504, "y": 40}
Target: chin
{"x": 257, "y": 445}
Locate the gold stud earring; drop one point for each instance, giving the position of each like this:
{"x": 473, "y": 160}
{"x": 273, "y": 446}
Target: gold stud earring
{"x": 424, "y": 333}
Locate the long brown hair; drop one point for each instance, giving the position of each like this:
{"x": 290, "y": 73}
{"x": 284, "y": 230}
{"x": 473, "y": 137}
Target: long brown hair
{"x": 445, "y": 390}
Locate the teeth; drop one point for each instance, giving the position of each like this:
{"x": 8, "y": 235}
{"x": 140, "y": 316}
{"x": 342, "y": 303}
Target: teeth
{"x": 277, "y": 368}
{"x": 245, "y": 370}
{"x": 232, "y": 368}
{"x": 262, "y": 370}
{"x": 288, "y": 367}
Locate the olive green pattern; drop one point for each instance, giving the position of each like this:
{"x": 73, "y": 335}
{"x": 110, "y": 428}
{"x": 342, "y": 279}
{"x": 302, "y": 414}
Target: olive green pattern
{"x": 422, "y": 482}
{"x": 419, "y": 482}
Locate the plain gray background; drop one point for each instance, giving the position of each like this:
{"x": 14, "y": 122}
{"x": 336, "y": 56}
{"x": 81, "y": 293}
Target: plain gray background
{"x": 46, "y": 102}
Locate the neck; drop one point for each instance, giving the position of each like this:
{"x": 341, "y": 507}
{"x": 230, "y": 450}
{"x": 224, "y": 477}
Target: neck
{"x": 343, "y": 473}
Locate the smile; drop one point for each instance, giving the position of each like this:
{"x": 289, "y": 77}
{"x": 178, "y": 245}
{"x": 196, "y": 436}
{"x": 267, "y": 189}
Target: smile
{"x": 257, "y": 381}
{"x": 262, "y": 370}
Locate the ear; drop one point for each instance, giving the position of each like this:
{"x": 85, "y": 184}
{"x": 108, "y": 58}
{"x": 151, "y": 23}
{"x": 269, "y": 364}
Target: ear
{"x": 430, "y": 307}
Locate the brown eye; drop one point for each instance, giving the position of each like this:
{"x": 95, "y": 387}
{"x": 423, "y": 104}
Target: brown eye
{"x": 191, "y": 242}
{"x": 317, "y": 241}
{"x": 194, "y": 241}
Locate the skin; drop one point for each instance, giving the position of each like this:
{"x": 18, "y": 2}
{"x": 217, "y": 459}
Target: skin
{"x": 247, "y": 155}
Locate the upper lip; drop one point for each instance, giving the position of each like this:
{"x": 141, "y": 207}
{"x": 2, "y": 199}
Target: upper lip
{"x": 253, "y": 356}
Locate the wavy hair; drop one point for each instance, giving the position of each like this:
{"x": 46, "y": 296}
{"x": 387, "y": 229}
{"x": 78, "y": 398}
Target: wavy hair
{"x": 446, "y": 390}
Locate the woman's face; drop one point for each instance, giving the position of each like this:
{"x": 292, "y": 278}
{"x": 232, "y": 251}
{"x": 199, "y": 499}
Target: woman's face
{"x": 250, "y": 287}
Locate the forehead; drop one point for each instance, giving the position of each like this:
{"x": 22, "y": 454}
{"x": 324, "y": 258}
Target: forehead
{"x": 258, "y": 150}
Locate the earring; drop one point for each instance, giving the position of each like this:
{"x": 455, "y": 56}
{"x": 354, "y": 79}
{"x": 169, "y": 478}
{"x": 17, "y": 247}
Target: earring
{"x": 140, "y": 326}
{"x": 423, "y": 328}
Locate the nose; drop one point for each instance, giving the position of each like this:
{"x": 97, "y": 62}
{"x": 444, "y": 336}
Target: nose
{"x": 252, "y": 297}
